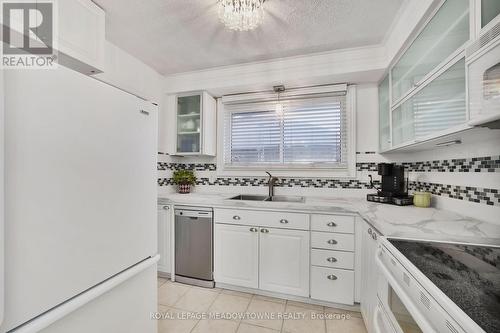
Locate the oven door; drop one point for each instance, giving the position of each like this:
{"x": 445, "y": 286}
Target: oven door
{"x": 381, "y": 322}
{"x": 402, "y": 311}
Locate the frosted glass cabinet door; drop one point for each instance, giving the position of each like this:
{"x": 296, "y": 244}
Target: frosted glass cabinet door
{"x": 489, "y": 10}
{"x": 188, "y": 123}
{"x": 384, "y": 115}
{"x": 447, "y": 31}
{"x": 438, "y": 106}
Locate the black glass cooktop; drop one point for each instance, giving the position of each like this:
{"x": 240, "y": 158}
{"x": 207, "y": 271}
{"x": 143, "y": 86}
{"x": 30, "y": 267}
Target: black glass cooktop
{"x": 469, "y": 275}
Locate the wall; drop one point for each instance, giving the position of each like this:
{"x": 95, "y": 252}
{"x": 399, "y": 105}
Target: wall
{"x": 464, "y": 178}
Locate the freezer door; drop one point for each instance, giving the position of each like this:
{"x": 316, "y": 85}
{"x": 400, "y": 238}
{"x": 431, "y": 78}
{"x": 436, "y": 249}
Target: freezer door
{"x": 80, "y": 190}
{"x": 193, "y": 244}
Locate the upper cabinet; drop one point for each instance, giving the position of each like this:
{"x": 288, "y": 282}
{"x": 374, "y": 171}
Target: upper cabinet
{"x": 425, "y": 94}
{"x": 81, "y": 35}
{"x": 443, "y": 35}
{"x": 384, "y": 107}
{"x": 489, "y": 11}
{"x": 438, "y": 106}
{"x": 195, "y": 124}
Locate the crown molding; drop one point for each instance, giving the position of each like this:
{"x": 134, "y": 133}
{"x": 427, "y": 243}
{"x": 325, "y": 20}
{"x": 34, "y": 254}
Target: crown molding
{"x": 353, "y": 65}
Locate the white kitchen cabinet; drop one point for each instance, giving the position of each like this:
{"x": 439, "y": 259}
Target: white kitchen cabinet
{"x": 284, "y": 261}
{"x": 236, "y": 255}
{"x": 384, "y": 115}
{"x": 332, "y": 285}
{"x": 446, "y": 32}
{"x": 195, "y": 124}
{"x": 164, "y": 238}
{"x": 424, "y": 96}
{"x": 369, "y": 275}
{"x": 438, "y": 106}
{"x": 81, "y": 35}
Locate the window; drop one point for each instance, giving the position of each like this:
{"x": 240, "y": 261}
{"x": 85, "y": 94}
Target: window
{"x": 309, "y": 133}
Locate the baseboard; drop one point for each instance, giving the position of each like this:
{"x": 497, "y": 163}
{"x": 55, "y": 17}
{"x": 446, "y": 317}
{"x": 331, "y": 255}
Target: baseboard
{"x": 308, "y": 300}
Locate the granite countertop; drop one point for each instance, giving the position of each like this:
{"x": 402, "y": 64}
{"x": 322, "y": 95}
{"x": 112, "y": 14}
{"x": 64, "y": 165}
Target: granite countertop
{"x": 391, "y": 221}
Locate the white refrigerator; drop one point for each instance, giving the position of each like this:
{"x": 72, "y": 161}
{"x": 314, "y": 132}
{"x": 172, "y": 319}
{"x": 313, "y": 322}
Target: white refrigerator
{"x": 80, "y": 205}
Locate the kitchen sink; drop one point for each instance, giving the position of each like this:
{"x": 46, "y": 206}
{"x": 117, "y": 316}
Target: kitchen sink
{"x": 285, "y": 198}
{"x": 276, "y": 198}
{"x": 250, "y": 197}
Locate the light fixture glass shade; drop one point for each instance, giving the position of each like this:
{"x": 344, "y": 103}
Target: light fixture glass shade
{"x": 241, "y": 15}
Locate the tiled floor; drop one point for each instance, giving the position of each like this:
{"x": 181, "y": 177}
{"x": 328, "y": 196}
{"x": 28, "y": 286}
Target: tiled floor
{"x": 185, "y": 309}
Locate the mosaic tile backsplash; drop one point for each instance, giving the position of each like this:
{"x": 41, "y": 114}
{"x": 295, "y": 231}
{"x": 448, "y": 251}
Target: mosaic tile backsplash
{"x": 488, "y": 196}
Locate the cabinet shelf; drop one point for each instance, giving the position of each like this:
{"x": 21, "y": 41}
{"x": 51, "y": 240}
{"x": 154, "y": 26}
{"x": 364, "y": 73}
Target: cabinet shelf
{"x": 188, "y": 115}
{"x": 186, "y": 133}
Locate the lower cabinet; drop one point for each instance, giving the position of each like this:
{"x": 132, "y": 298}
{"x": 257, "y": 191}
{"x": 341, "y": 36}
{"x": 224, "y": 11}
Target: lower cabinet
{"x": 306, "y": 255}
{"x": 332, "y": 285}
{"x": 369, "y": 276}
{"x": 284, "y": 261}
{"x": 236, "y": 254}
{"x": 266, "y": 258}
{"x": 164, "y": 238}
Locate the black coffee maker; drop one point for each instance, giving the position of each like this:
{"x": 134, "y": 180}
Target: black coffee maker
{"x": 394, "y": 189}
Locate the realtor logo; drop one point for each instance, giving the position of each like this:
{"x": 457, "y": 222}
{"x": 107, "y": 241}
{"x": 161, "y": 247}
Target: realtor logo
{"x": 28, "y": 34}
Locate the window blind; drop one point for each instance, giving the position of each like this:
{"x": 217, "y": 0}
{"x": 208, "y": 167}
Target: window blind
{"x": 310, "y": 132}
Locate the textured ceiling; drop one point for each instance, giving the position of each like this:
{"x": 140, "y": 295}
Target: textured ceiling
{"x": 174, "y": 36}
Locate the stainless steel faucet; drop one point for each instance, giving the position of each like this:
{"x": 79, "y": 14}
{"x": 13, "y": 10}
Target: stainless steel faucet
{"x": 271, "y": 183}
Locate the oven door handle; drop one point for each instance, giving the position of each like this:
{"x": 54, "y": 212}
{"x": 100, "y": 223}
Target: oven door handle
{"x": 423, "y": 323}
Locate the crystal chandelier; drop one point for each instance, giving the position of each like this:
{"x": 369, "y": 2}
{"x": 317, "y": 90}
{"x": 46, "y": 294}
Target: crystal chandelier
{"x": 241, "y": 15}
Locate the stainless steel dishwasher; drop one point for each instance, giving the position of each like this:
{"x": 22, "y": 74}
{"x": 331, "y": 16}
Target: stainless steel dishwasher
{"x": 194, "y": 246}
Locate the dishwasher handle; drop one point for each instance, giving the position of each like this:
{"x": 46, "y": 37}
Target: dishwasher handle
{"x": 193, "y": 213}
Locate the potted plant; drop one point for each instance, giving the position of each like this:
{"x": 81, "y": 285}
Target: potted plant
{"x": 184, "y": 179}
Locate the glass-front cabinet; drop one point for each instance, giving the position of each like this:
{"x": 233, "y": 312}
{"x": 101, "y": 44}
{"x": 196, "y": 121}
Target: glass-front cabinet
{"x": 195, "y": 128}
{"x": 425, "y": 94}
{"x": 490, "y": 9}
{"x": 438, "y": 106}
{"x": 384, "y": 120}
{"x": 188, "y": 124}
{"x": 443, "y": 35}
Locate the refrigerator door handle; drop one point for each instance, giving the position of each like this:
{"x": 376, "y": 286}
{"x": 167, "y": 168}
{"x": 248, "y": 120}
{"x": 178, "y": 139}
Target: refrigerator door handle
{"x": 77, "y": 302}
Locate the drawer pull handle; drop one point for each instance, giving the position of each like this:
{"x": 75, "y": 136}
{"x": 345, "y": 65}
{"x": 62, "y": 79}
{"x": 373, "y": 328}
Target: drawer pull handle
{"x": 332, "y": 242}
{"x": 332, "y": 224}
{"x": 284, "y": 221}
{"x": 265, "y": 231}
{"x": 374, "y": 236}
{"x": 166, "y": 207}
{"x": 236, "y": 217}
{"x": 332, "y": 259}
{"x": 332, "y": 277}
{"x": 253, "y": 229}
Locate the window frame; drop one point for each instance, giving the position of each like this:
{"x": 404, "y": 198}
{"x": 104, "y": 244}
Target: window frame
{"x": 299, "y": 171}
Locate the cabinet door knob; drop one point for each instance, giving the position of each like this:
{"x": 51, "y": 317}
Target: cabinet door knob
{"x": 332, "y": 224}
{"x": 236, "y": 217}
{"x": 166, "y": 207}
{"x": 265, "y": 231}
{"x": 370, "y": 231}
{"x": 332, "y": 259}
{"x": 284, "y": 221}
{"x": 332, "y": 241}
{"x": 332, "y": 277}
{"x": 374, "y": 236}
{"x": 253, "y": 229}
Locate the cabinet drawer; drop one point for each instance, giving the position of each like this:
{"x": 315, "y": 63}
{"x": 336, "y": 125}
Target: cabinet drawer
{"x": 332, "y": 223}
{"x": 332, "y": 241}
{"x": 262, "y": 218}
{"x": 333, "y": 259}
{"x": 332, "y": 285}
